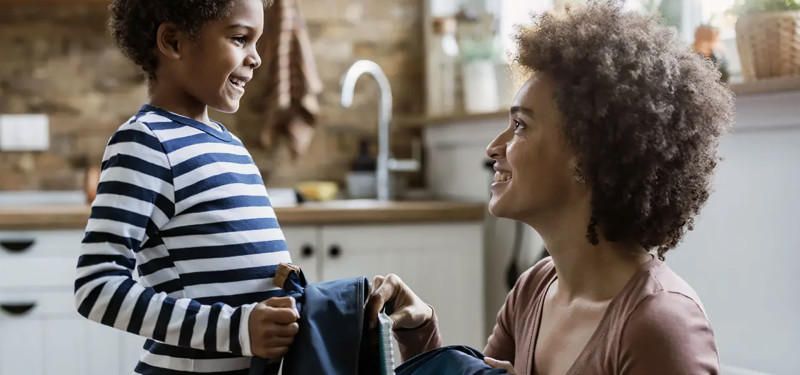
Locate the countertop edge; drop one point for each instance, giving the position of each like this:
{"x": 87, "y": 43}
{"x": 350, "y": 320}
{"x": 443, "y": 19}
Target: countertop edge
{"x": 75, "y": 217}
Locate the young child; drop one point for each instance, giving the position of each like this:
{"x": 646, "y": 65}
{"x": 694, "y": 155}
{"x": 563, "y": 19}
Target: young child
{"x": 181, "y": 200}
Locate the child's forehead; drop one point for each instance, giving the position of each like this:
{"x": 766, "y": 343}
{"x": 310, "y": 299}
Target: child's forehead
{"x": 244, "y": 13}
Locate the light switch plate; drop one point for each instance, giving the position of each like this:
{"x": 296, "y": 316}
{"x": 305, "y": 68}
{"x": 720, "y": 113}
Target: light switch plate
{"x": 24, "y": 132}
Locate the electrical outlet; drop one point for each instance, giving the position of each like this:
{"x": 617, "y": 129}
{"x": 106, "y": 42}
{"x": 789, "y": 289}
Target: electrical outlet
{"x": 24, "y": 132}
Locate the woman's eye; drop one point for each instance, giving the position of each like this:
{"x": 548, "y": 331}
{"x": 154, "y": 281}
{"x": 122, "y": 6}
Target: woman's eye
{"x": 518, "y": 125}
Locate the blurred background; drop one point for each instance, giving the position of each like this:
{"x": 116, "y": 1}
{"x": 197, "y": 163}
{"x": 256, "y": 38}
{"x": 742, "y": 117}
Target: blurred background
{"x": 65, "y": 88}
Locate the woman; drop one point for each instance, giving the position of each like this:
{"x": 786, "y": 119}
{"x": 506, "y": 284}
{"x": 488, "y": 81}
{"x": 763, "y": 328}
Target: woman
{"x": 608, "y": 154}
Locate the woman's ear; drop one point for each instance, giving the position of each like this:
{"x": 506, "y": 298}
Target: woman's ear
{"x": 576, "y": 170}
{"x": 168, "y": 40}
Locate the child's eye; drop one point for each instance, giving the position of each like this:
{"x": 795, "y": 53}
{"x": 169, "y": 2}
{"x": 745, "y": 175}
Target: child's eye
{"x": 241, "y": 39}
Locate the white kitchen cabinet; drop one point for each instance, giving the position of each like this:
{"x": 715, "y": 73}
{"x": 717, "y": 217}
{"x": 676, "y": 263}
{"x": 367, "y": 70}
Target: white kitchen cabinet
{"x": 21, "y": 344}
{"x": 305, "y": 249}
{"x": 41, "y": 332}
{"x": 441, "y": 262}
{"x": 131, "y": 348}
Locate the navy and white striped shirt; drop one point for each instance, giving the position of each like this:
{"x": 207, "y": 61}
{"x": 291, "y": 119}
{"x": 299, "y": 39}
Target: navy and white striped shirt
{"x": 184, "y": 204}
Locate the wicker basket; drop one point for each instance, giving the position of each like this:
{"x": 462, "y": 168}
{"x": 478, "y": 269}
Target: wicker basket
{"x": 769, "y": 44}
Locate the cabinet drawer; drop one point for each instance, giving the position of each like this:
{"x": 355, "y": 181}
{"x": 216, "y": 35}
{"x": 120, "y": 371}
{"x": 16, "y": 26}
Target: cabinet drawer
{"x": 36, "y": 272}
{"x": 37, "y": 305}
{"x": 40, "y": 243}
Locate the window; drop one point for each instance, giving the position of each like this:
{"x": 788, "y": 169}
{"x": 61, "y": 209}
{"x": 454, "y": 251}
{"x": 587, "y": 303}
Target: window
{"x": 686, "y": 16}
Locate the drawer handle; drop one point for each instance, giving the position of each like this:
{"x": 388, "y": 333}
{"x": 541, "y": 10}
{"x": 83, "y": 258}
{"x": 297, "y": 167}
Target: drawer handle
{"x": 335, "y": 251}
{"x": 16, "y": 246}
{"x": 307, "y": 251}
{"x": 18, "y": 308}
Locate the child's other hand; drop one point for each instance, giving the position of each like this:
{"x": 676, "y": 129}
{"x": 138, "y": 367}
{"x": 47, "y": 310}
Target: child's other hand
{"x": 272, "y": 326}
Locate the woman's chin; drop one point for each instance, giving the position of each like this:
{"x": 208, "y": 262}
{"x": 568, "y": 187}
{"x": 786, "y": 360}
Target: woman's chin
{"x": 495, "y": 207}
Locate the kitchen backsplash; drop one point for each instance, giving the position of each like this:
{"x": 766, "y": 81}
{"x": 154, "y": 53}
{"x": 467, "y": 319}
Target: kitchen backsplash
{"x": 58, "y": 60}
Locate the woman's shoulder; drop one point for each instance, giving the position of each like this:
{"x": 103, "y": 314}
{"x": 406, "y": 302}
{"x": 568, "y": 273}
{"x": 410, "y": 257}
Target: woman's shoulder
{"x": 663, "y": 314}
{"x": 536, "y": 279}
{"x": 661, "y": 284}
{"x": 670, "y": 332}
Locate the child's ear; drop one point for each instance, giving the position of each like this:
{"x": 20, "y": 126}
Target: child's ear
{"x": 168, "y": 40}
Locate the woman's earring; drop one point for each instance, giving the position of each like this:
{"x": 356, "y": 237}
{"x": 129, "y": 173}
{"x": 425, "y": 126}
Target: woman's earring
{"x": 579, "y": 176}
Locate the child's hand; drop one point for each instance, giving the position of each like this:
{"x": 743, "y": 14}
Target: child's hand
{"x": 272, "y": 327}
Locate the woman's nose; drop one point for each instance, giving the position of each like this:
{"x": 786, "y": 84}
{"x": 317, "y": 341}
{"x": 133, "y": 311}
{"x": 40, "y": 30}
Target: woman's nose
{"x": 497, "y": 149}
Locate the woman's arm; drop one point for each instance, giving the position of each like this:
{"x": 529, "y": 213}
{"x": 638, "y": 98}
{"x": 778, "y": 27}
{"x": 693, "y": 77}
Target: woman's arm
{"x": 500, "y": 345}
{"x": 668, "y": 333}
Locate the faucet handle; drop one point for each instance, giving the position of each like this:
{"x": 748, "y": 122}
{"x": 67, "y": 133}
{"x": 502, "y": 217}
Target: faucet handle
{"x": 403, "y": 165}
{"x": 407, "y": 165}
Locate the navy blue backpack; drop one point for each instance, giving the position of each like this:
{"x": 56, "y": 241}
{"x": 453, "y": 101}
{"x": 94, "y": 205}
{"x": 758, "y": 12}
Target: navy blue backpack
{"x": 448, "y": 360}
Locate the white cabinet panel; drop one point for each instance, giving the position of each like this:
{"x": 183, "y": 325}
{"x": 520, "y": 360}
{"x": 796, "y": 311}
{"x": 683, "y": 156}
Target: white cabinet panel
{"x": 102, "y": 349}
{"x": 36, "y": 259}
{"x": 57, "y": 243}
{"x": 130, "y": 351}
{"x": 37, "y": 272}
{"x": 305, "y": 249}
{"x": 442, "y": 263}
{"x": 63, "y": 349}
{"x": 21, "y": 343}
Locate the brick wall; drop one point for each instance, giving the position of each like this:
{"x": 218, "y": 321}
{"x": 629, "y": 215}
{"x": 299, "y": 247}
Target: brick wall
{"x": 58, "y": 60}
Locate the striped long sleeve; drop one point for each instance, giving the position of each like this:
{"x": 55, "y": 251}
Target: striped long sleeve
{"x": 135, "y": 199}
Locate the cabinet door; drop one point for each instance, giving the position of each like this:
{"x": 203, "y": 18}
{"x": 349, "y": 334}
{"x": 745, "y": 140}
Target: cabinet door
{"x": 64, "y": 346}
{"x": 442, "y": 263}
{"x": 21, "y": 343}
{"x": 130, "y": 351}
{"x": 304, "y": 247}
{"x": 41, "y": 333}
{"x": 102, "y": 349}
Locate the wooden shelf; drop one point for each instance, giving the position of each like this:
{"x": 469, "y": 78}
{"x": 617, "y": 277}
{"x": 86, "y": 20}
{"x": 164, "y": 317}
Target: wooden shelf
{"x": 766, "y": 86}
{"x": 763, "y": 86}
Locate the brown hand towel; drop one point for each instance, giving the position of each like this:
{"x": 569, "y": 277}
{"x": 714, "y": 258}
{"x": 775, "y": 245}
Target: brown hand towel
{"x": 292, "y": 84}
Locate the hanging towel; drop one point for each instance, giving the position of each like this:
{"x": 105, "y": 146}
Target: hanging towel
{"x": 289, "y": 102}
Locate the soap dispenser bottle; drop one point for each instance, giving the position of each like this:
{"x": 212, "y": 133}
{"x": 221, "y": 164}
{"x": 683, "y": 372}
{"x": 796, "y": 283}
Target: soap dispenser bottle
{"x": 361, "y": 180}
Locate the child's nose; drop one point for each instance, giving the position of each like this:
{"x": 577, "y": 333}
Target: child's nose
{"x": 255, "y": 59}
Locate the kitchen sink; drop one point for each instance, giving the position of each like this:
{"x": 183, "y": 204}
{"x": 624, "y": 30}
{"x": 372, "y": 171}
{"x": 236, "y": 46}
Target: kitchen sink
{"x": 42, "y": 198}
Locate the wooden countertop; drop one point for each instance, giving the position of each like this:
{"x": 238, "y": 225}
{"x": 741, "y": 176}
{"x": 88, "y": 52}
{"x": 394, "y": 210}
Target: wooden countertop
{"x": 333, "y": 212}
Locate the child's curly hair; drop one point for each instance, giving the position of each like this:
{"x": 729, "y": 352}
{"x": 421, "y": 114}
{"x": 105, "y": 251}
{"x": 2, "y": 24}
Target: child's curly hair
{"x": 643, "y": 113}
{"x": 133, "y": 24}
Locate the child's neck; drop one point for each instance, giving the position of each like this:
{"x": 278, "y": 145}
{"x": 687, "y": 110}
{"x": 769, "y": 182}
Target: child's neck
{"x": 175, "y": 100}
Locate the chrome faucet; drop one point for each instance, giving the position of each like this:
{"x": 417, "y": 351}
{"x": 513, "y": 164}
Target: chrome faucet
{"x": 385, "y": 162}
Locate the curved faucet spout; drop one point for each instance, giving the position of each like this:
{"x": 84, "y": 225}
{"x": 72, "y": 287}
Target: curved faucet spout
{"x": 359, "y": 68}
{"x": 356, "y": 70}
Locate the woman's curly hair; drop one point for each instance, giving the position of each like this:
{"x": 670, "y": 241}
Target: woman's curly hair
{"x": 643, "y": 113}
{"x": 134, "y": 23}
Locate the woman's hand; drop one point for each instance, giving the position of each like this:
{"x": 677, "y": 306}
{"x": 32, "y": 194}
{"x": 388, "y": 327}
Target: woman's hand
{"x": 506, "y": 365}
{"x": 408, "y": 310}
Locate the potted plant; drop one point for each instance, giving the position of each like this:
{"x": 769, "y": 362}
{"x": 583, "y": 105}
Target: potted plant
{"x": 768, "y": 37}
